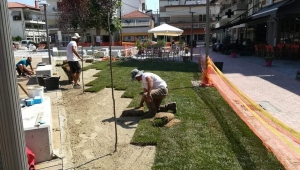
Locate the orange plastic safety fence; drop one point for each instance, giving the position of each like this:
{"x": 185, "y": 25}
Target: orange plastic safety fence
{"x": 128, "y": 50}
{"x": 206, "y": 81}
{"x": 277, "y": 137}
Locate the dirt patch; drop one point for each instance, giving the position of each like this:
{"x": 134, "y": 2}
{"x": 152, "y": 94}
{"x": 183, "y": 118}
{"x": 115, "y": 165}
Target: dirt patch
{"x": 91, "y": 130}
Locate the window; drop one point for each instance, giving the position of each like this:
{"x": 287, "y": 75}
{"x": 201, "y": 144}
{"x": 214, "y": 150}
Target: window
{"x": 202, "y": 18}
{"x": 27, "y": 25}
{"x": 16, "y": 15}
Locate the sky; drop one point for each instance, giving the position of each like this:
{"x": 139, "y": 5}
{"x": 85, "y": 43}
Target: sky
{"x": 151, "y": 4}
{"x": 28, "y": 2}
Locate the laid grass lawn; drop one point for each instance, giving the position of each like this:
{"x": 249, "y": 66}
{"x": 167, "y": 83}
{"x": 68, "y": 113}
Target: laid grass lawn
{"x": 210, "y": 136}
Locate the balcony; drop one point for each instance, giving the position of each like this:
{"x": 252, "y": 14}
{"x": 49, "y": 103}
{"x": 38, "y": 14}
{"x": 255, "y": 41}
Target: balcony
{"x": 42, "y": 22}
{"x": 136, "y": 24}
{"x": 53, "y": 27}
{"x": 238, "y": 6}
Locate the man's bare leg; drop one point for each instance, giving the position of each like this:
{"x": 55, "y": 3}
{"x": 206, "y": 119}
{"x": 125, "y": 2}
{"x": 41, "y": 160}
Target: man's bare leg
{"x": 21, "y": 67}
{"x": 73, "y": 77}
{"x": 76, "y": 77}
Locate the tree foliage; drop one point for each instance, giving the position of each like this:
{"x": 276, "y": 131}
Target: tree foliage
{"x": 86, "y": 14}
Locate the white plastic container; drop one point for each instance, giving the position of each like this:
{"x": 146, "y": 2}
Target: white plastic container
{"x": 34, "y": 91}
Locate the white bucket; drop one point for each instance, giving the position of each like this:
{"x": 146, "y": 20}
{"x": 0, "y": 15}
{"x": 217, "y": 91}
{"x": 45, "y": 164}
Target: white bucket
{"x": 35, "y": 91}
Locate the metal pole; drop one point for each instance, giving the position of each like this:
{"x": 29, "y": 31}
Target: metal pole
{"x": 12, "y": 141}
{"x": 207, "y": 32}
{"x": 47, "y": 33}
{"x": 192, "y": 35}
{"x": 121, "y": 37}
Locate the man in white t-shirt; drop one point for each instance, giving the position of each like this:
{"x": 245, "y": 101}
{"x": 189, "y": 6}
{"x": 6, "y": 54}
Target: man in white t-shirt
{"x": 72, "y": 57}
{"x": 155, "y": 90}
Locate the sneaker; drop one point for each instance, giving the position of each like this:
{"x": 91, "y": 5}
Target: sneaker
{"x": 173, "y": 107}
{"x": 76, "y": 86}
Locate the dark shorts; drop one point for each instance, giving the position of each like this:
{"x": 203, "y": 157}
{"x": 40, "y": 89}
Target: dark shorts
{"x": 18, "y": 70}
{"x": 74, "y": 66}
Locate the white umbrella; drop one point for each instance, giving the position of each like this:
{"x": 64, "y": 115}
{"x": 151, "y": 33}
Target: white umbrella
{"x": 166, "y": 30}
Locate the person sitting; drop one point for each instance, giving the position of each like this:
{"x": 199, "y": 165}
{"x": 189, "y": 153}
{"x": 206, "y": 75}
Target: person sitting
{"x": 217, "y": 45}
{"x": 21, "y": 67}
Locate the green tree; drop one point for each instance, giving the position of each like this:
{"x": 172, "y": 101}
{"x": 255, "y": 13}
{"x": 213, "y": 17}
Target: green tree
{"x": 18, "y": 38}
{"x": 103, "y": 10}
{"x": 86, "y": 14}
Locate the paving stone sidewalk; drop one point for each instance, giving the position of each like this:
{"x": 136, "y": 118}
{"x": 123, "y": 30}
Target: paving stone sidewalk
{"x": 274, "y": 88}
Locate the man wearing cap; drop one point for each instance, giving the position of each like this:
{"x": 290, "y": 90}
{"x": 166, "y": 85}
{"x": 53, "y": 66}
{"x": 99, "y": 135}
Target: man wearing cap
{"x": 72, "y": 57}
{"x": 155, "y": 90}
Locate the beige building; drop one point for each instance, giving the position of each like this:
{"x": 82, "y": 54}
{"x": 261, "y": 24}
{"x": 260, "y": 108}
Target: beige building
{"x": 135, "y": 25}
{"x": 178, "y": 13}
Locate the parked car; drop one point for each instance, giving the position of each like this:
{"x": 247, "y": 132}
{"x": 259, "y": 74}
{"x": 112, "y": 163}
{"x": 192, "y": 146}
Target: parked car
{"x": 25, "y": 43}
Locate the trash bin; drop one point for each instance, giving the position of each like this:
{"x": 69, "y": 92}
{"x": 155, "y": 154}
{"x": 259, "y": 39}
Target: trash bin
{"x": 219, "y": 65}
{"x": 51, "y": 83}
{"x": 41, "y": 81}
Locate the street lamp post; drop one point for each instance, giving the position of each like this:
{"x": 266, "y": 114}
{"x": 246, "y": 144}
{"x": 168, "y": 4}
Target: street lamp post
{"x": 207, "y": 30}
{"x": 45, "y": 4}
{"x": 192, "y": 36}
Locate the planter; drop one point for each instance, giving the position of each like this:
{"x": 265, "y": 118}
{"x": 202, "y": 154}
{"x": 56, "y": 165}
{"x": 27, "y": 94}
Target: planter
{"x": 185, "y": 58}
{"x": 233, "y": 54}
{"x": 269, "y": 63}
{"x": 298, "y": 77}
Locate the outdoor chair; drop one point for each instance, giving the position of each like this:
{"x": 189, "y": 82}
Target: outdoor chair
{"x": 270, "y": 51}
{"x": 263, "y": 50}
{"x": 294, "y": 51}
{"x": 286, "y": 51}
{"x": 278, "y": 50}
{"x": 256, "y": 51}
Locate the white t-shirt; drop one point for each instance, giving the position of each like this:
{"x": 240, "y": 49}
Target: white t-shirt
{"x": 157, "y": 81}
{"x": 70, "y": 55}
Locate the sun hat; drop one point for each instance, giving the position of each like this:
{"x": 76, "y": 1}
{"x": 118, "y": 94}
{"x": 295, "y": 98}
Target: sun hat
{"x": 135, "y": 73}
{"x": 76, "y": 36}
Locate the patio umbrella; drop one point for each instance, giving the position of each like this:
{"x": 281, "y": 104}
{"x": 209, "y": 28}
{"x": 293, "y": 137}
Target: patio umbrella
{"x": 166, "y": 30}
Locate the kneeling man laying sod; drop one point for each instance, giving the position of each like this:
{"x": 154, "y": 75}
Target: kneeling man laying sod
{"x": 155, "y": 90}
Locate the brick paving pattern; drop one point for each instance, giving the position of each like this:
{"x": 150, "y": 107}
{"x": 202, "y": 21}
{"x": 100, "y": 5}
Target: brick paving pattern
{"x": 274, "y": 88}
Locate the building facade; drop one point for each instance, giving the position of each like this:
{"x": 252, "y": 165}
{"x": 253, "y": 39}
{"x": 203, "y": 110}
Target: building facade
{"x": 181, "y": 13}
{"x": 260, "y": 22}
{"x": 90, "y": 35}
{"x": 27, "y": 22}
{"x": 135, "y": 25}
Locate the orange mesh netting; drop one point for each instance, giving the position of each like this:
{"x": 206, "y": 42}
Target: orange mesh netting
{"x": 128, "y": 49}
{"x": 282, "y": 140}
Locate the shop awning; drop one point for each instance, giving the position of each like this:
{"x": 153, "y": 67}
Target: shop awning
{"x": 229, "y": 25}
{"x": 195, "y": 31}
{"x": 266, "y": 11}
{"x": 291, "y": 8}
